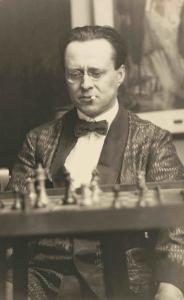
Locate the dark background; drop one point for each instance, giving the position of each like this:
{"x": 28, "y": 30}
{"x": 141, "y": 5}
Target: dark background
{"x": 31, "y": 80}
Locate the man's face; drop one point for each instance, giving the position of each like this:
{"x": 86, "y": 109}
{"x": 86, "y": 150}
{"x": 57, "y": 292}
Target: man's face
{"x": 91, "y": 77}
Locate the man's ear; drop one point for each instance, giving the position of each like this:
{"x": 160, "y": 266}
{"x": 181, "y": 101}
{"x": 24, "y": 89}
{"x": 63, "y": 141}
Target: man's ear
{"x": 121, "y": 74}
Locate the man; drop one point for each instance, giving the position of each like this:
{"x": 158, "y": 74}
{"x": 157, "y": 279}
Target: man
{"x": 123, "y": 145}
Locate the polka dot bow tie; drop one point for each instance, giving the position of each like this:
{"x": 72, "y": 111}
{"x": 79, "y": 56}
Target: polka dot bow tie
{"x": 83, "y": 127}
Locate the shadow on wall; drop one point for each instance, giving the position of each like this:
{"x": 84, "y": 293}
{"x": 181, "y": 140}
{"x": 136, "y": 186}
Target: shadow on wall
{"x": 31, "y": 80}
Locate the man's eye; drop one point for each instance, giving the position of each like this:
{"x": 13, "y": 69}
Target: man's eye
{"x": 75, "y": 74}
{"x": 96, "y": 74}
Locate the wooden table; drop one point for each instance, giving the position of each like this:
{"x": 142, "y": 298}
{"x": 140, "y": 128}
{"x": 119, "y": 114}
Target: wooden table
{"x": 108, "y": 223}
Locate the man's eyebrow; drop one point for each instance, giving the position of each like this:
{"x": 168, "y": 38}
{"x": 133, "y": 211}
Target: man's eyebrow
{"x": 95, "y": 68}
{"x": 83, "y": 69}
{"x": 75, "y": 69}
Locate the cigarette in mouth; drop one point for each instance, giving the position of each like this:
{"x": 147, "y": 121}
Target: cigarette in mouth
{"x": 93, "y": 98}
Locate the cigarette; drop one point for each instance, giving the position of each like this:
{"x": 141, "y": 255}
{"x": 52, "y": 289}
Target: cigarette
{"x": 93, "y": 98}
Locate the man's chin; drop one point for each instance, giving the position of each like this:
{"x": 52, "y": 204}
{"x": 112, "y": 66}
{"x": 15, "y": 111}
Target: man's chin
{"x": 90, "y": 112}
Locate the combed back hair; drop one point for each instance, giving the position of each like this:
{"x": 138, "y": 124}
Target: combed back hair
{"x": 88, "y": 33}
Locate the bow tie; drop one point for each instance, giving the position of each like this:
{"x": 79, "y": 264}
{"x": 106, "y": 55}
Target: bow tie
{"x": 83, "y": 127}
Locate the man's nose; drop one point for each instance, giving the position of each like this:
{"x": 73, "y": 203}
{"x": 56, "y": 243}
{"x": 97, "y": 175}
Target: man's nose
{"x": 86, "y": 82}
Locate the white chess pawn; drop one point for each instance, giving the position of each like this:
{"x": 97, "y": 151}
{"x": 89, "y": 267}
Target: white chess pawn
{"x": 42, "y": 198}
{"x": 70, "y": 194}
{"x": 95, "y": 188}
{"x": 85, "y": 195}
{"x": 143, "y": 190}
{"x": 16, "y": 200}
{"x": 116, "y": 203}
{"x": 31, "y": 192}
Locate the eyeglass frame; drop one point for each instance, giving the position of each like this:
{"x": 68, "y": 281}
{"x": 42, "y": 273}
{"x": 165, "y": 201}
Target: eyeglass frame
{"x": 80, "y": 73}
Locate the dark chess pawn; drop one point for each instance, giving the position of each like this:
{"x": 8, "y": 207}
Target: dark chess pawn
{"x": 95, "y": 188}
{"x": 42, "y": 199}
{"x": 70, "y": 195}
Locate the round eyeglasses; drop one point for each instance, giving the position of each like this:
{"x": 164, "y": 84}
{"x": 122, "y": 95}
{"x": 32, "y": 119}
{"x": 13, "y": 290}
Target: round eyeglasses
{"x": 76, "y": 75}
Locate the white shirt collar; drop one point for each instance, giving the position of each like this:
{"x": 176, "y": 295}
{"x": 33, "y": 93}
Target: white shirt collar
{"x": 109, "y": 115}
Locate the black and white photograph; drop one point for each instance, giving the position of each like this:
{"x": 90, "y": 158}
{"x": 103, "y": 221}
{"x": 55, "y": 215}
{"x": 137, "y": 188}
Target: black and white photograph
{"x": 92, "y": 150}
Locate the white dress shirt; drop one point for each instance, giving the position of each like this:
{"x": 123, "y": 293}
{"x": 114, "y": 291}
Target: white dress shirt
{"x": 84, "y": 157}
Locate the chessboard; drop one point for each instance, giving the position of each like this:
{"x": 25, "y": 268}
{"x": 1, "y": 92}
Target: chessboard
{"x": 90, "y": 208}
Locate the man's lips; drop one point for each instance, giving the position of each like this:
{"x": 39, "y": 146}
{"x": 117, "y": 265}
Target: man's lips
{"x": 85, "y": 97}
{"x": 88, "y": 98}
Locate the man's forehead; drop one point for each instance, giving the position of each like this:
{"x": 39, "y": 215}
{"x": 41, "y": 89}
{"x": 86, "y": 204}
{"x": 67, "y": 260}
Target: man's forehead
{"x": 98, "y": 50}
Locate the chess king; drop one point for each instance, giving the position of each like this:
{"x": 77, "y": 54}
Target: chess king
{"x": 100, "y": 133}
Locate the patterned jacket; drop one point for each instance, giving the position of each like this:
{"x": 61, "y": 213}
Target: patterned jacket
{"x": 131, "y": 145}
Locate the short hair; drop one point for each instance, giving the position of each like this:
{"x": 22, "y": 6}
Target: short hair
{"x": 88, "y": 33}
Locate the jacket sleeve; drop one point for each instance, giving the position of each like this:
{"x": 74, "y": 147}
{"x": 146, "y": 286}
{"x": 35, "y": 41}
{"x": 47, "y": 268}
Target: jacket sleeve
{"x": 25, "y": 164}
{"x": 164, "y": 164}
{"x": 49, "y": 257}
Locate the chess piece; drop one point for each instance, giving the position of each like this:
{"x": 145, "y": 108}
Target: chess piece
{"x": 1, "y": 204}
{"x": 142, "y": 197}
{"x": 42, "y": 199}
{"x": 98, "y": 259}
{"x": 85, "y": 199}
{"x": 95, "y": 188}
{"x": 31, "y": 192}
{"x": 16, "y": 200}
{"x": 159, "y": 195}
{"x": 182, "y": 194}
{"x": 116, "y": 189}
{"x": 70, "y": 195}
{"x": 4, "y": 178}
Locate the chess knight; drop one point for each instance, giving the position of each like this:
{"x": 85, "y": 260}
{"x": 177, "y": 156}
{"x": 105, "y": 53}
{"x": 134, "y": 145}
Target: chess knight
{"x": 100, "y": 133}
